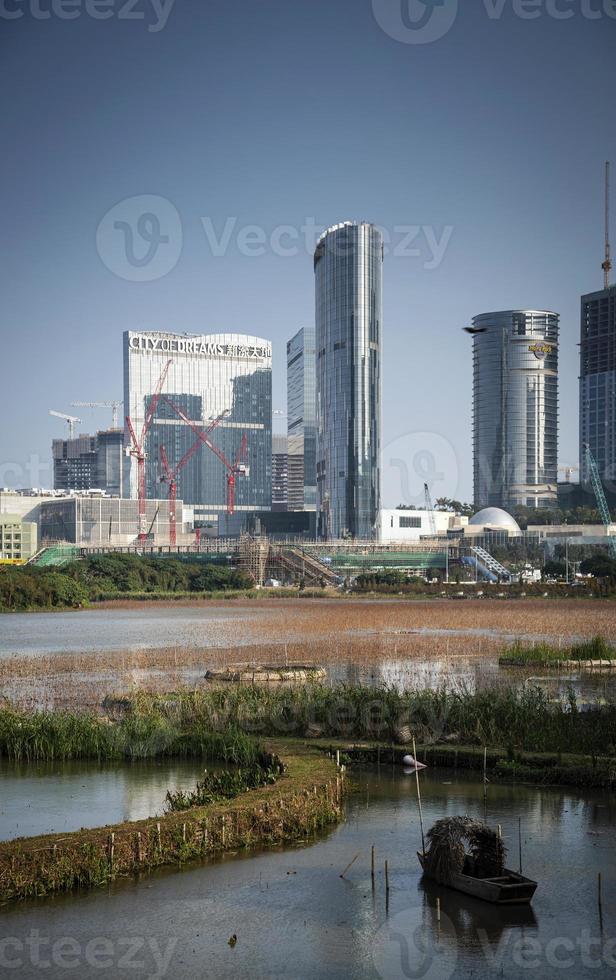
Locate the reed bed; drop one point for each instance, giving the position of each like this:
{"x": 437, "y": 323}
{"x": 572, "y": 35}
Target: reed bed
{"x": 306, "y": 798}
{"x": 356, "y": 639}
{"x": 57, "y": 736}
{"x": 515, "y": 719}
{"x": 596, "y": 650}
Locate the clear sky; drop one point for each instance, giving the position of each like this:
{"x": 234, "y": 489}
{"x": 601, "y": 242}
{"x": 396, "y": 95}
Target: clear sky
{"x": 490, "y": 138}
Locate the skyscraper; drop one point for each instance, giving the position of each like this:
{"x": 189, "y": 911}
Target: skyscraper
{"x": 222, "y": 376}
{"x": 302, "y": 423}
{"x": 348, "y": 265}
{"x": 89, "y": 462}
{"x": 515, "y": 409}
{"x": 280, "y": 473}
{"x": 598, "y": 384}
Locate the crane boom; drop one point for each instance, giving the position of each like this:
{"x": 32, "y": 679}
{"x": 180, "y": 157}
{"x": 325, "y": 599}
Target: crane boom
{"x": 137, "y": 447}
{"x": 599, "y": 492}
{"x": 607, "y": 264}
{"x": 114, "y": 406}
{"x": 238, "y": 468}
{"x": 430, "y": 509}
{"x": 71, "y": 420}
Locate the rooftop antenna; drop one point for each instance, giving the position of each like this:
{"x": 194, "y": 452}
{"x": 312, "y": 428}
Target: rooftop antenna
{"x": 607, "y": 264}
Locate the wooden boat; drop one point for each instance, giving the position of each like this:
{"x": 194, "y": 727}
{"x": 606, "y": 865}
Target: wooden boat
{"x": 510, "y": 888}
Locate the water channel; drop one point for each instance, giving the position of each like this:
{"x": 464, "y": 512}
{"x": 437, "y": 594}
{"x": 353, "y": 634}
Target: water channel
{"x": 295, "y": 917}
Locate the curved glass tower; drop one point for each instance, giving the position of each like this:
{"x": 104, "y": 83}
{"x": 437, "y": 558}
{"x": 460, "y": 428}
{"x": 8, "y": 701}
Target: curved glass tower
{"x": 515, "y": 409}
{"x": 348, "y": 265}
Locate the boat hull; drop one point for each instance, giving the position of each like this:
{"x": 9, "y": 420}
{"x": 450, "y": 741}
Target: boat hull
{"x": 510, "y": 888}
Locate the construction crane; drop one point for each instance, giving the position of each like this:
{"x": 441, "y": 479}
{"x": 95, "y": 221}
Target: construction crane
{"x": 137, "y": 448}
{"x": 238, "y": 468}
{"x": 607, "y": 263}
{"x": 71, "y": 420}
{"x": 170, "y": 475}
{"x": 595, "y": 479}
{"x": 430, "y": 509}
{"x": 114, "y": 406}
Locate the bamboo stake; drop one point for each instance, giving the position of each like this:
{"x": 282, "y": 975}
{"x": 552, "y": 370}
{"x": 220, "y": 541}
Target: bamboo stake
{"x": 485, "y": 783}
{"x": 350, "y": 864}
{"x": 387, "y": 876}
{"x": 599, "y": 896}
{"x": 159, "y": 842}
{"x": 423, "y": 840}
{"x": 520, "y": 841}
{"x": 373, "y": 867}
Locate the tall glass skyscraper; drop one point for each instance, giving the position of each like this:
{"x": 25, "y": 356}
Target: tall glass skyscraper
{"x": 209, "y": 375}
{"x": 598, "y": 384}
{"x": 301, "y": 420}
{"x": 515, "y": 409}
{"x": 348, "y": 265}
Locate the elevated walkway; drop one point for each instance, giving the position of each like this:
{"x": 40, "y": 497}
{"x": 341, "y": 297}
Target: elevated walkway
{"x": 487, "y": 562}
{"x": 55, "y": 555}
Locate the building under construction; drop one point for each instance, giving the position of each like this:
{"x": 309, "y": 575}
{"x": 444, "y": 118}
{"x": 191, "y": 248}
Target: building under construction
{"x": 199, "y": 417}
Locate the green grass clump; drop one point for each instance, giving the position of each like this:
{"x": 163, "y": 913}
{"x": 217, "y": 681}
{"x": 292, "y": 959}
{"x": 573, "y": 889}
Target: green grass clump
{"x": 545, "y": 653}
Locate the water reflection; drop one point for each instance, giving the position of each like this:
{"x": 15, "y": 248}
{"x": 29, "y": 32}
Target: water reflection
{"x": 57, "y": 797}
{"x": 295, "y": 917}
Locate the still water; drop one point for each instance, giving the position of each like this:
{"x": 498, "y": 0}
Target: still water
{"x": 295, "y": 917}
{"x": 54, "y": 797}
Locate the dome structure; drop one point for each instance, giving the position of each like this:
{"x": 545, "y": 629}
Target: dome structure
{"x": 494, "y": 517}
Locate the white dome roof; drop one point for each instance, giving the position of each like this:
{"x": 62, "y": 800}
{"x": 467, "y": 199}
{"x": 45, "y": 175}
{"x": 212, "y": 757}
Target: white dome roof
{"x": 495, "y": 517}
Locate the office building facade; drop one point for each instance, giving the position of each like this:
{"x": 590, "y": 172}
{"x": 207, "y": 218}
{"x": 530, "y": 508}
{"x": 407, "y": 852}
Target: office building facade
{"x": 515, "y": 409}
{"x": 348, "y": 265}
{"x": 18, "y": 539}
{"x": 301, "y": 420}
{"x": 598, "y": 385}
{"x": 225, "y": 377}
{"x": 75, "y": 463}
{"x": 280, "y": 473}
{"x": 89, "y": 462}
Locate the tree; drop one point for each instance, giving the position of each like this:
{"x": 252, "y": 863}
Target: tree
{"x": 554, "y": 569}
{"x": 599, "y": 566}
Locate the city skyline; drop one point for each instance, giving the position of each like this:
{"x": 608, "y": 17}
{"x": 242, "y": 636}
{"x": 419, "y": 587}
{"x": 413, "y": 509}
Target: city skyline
{"x": 471, "y": 224}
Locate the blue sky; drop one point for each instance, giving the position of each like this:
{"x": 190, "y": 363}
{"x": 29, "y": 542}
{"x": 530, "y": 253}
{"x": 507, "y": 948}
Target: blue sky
{"x": 492, "y": 139}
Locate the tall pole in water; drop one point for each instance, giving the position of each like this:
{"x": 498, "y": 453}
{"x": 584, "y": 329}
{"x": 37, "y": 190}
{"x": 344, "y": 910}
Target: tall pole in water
{"x": 607, "y": 264}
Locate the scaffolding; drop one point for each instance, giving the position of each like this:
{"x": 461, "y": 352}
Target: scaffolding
{"x": 252, "y": 556}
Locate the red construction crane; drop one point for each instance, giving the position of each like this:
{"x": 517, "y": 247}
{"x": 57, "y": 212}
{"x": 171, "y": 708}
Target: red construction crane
{"x": 170, "y": 476}
{"x": 137, "y": 448}
{"x": 238, "y": 468}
